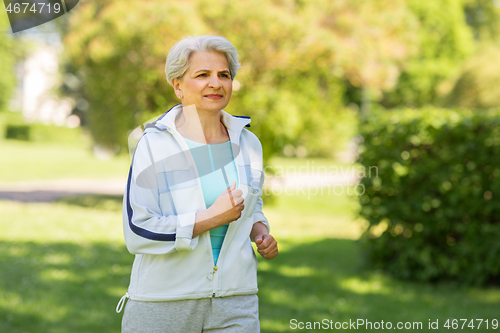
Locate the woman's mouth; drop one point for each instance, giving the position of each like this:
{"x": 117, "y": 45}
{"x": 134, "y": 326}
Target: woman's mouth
{"x": 213, "y": 96}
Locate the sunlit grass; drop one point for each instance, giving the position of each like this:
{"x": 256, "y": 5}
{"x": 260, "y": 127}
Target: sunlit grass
{"x": 46, "y": 223}
{"x": 295, "y": 164}
{"x": 339, "y": 289}
{"x": 23, "y": 161}
{"x": 327, "y": 215}
{"x": 70, "y": 257}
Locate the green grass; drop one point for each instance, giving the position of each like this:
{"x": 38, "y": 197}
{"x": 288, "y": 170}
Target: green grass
{"x": 53, "y": 152}
{"x": 25, "y": 161}
{"x": 313, "y": 279}
{"x": 64, "y": 267}
{"x": 295, "y": 162}
{"x": 59, "y": 152}
{"x": 297, "y": 166}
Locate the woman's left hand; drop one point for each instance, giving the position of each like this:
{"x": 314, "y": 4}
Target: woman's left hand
{"x": 267, "y": 246}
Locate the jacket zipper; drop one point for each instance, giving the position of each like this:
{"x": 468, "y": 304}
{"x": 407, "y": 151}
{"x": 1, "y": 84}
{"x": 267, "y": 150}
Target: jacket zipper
{"x": 225, "y": 242}
{"x": 214, "y": 278}
{"x": 211, "y": 275}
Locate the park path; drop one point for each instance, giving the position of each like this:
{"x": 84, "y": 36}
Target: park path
{"x": 51, "y": 190}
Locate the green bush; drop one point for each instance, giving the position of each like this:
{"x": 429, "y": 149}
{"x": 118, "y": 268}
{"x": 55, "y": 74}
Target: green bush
{"x": 433, "y": 208}
{"x": 13, "y": 126}
{"x": 18, "y": 132}
{"x": 478, "y": 86}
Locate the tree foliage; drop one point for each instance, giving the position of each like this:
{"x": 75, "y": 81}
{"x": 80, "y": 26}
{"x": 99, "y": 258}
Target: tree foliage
{"x": 444, "y": 42}
{"x": 478, "y": 86}
{"x": 483, "y": 16}
{"x": 295, "y": 56}
{"x": 7, "y": 79}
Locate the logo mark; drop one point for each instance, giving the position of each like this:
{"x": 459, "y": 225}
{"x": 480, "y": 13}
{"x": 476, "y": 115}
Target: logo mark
{"x": 26, "y": 14}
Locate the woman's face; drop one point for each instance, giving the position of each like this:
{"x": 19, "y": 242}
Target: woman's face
{"x": 207, "y": 82}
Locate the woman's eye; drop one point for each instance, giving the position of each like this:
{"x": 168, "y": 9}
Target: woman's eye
{"x": 225, "y": 75}
{"x": 203, "y": 74}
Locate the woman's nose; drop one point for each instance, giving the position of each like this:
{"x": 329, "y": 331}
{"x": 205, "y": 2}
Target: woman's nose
{"x": 214, "y": 82}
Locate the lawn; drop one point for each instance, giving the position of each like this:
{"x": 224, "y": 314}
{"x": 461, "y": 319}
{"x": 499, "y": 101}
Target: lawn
{"x": 42, "y": 160}
{"x": 65, "y": 266}
{"x": 25, "y": 161}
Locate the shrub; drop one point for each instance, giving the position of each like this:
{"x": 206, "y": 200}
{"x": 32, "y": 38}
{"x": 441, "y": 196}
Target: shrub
{"x": 19, "y": 132}
{"x": 14, "y": 126}
{"x": 433, "y": 210}
{"x": 478, "y": 86}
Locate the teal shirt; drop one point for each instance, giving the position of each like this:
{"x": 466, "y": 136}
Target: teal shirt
{"x": 212, "y": 180}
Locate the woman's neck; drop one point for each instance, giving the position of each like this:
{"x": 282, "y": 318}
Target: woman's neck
{"x": 201, "y": 126}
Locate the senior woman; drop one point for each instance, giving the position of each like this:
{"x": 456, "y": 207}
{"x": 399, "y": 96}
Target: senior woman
{"x": 193, "y": 204}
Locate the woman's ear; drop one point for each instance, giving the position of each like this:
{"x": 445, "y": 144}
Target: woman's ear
{"x": 177, "y": 87}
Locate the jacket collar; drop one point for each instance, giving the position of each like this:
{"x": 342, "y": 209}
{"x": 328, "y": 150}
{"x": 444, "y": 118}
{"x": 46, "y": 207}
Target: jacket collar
{"x": 234, "y": 124}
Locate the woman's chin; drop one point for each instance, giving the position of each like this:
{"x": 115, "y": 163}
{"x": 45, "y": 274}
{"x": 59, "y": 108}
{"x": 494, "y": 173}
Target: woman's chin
{"x": 213, "y": 105}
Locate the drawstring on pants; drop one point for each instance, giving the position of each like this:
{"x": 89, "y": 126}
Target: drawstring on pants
{"x": 122, "y": 302}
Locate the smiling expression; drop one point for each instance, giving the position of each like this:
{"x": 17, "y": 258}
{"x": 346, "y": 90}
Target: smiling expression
{"x": 207, "y": 82}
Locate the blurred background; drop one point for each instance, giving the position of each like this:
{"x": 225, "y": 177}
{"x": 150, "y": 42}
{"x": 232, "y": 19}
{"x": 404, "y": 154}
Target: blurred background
{"x": 379, "y": 122}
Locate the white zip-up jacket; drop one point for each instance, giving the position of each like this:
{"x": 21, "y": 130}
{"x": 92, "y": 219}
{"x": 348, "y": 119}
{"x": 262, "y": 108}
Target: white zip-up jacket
{"x": 163, "y": 195}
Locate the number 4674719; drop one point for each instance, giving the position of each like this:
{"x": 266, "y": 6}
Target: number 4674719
{"x": 455, "y": 323}
{"x": 34, "y": 8}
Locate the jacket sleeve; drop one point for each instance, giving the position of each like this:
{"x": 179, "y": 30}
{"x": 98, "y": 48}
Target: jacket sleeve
{"x": 146, "y": 229}
{"x": 258, "y": 215}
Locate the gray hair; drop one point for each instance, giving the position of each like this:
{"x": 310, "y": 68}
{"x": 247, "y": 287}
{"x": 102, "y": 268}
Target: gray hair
{"x": 178, "y": 57}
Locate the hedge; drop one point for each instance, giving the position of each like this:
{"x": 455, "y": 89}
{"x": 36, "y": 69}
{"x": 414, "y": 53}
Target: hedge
{"x": 434, "y": 206}
{"x": 19, "y": 132}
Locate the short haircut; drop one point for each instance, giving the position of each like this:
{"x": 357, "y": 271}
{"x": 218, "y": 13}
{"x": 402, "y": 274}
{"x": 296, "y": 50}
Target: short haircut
{"x": 178, "y": 57}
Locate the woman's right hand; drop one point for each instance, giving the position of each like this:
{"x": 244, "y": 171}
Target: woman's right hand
{"x": 228, "y": 206}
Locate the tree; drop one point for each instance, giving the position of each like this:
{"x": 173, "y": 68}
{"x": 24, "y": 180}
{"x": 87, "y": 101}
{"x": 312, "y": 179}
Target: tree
{"x": 295, "y": 56}
{"x": 483, "y": 16}
{"x": 444, "y": 41}
{"x": 478, "y": 86}
{"x": 118, "y": 50}
{"x": 7, "y": 78}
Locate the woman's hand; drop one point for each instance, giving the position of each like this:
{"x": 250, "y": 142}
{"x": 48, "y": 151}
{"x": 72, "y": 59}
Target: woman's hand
{"x": 228, "y": 206}
{"x": 267, "y": 246}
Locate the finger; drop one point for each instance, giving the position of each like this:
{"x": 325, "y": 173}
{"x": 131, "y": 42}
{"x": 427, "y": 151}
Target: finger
{"x": 238, "y": 200}
{"x": 271, "y": 255}
{"x": 269, "y": 252}
{"x": 258, "y": 240}
{"x": 267, "y": 240}
{"x": 231, "y": 194}
{"x": 230, "y": 187}
{"x": 237, "y": 192}
{"x": 265, "y": 249}
{"x": 265, "y": 254}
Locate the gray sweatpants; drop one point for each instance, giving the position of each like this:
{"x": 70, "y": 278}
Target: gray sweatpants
{"x": 233, "y": 314}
